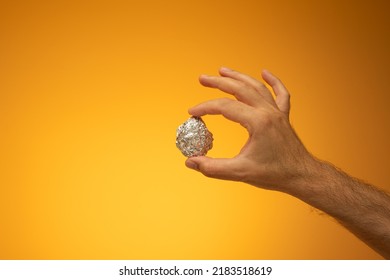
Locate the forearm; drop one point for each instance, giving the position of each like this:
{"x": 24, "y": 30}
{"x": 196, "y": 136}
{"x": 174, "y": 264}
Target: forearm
{"x": 363, "y": 209}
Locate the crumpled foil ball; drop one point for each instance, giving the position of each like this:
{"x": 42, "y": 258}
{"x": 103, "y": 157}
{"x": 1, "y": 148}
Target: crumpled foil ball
{"x": 193, "y": 138}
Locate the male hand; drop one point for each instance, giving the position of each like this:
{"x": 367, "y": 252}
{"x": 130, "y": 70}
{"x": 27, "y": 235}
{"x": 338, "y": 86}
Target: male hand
{"x": 273, "y": 156}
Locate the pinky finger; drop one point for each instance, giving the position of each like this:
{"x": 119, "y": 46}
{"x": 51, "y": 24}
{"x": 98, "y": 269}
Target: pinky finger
{"x": 281, "y": 92}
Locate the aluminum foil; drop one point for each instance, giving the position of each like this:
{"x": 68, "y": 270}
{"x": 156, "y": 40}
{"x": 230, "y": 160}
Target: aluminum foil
{"x": 193, "y": 138}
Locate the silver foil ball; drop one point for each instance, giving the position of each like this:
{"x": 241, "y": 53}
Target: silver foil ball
{"x": 193, "y": 138}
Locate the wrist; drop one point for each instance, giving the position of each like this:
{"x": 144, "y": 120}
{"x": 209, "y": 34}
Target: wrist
{"x": 306, "y": 185}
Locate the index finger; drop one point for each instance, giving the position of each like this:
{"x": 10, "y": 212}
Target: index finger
{"x": 231, "y": 109}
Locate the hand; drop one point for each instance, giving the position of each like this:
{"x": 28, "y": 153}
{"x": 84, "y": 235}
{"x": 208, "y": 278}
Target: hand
{"x": 273, "y": 156}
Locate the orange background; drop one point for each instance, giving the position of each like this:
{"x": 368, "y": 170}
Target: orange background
{"x": 91, "y": 94}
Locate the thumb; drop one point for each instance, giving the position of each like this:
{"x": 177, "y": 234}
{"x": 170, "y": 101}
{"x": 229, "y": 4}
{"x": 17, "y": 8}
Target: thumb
{"x": 219, "y": 168}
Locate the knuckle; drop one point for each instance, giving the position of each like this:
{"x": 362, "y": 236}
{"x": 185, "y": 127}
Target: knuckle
{"x": 244, "y": 87}
{"x": 240, "y": 175}
{"x": 208, "y": 170}
{"x": 240, "y": 86}
{"x": 260, "y": 86}
{"x": 284, "y": 91}
{"x": 225, "y": 100}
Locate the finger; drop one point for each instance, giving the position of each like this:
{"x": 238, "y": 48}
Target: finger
{"x": 281, "y": 92}
{"x": 243, "y": 92}
{"x": 254, "y": 83}
{"x": 231, "y": 109}
{"x": 219, "y": 168}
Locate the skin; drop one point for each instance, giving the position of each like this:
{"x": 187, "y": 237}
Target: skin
{"x": 274, "y": 158}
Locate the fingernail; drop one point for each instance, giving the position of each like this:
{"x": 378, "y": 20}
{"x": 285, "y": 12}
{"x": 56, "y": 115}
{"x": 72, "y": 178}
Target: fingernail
{"x": 192, "y": 165}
